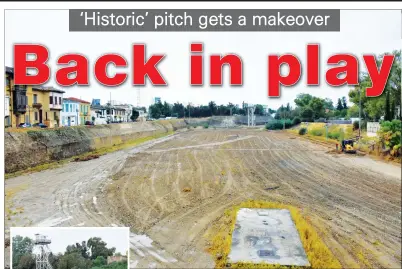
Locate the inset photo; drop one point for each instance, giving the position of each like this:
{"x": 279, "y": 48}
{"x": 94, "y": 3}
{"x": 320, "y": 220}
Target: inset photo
{"x": 69, "y": 247}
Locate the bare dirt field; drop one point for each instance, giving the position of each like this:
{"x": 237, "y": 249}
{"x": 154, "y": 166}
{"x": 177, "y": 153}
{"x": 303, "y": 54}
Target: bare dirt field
{"x": 172, "y": 191}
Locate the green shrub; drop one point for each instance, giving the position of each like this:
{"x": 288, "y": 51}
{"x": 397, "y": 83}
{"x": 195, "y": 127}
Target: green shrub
{"x": 206, "y": 125}
{"x": 334, "y": 135}
{"x": 302, "y": 131}
{"x": 390, "y": 135}
{"x": 356, "y": 125}
{"x": 278, "y": 124}
{"x": 296, "y": 121}
{"x": 274, "y": 125}
{"x": 288, "y": 123}
{"x": 317, "y": 132}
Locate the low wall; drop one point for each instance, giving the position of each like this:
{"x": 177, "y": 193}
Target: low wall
{"x": 373, "y": 128}
{"x": 28, "y": 148}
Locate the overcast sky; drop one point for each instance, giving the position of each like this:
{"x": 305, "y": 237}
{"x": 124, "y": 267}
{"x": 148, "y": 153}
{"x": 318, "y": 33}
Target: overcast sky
{"x": 361, "y": 32}
{"x": 62, "y": 237}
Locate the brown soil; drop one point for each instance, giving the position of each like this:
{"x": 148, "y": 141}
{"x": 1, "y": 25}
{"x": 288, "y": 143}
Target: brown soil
{"x": 353, "y": 201}
{"x": 353, "y": 206}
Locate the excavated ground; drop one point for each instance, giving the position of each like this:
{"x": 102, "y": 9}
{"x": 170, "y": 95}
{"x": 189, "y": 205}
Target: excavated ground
{"x": 171, "y": 191}
{"x": 175, "y": 191}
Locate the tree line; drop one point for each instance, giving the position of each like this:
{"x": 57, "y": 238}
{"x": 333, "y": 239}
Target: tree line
{"x": 161, "y": 110}
{"x": 383, "y": 107}
{"x": 308, "y": 107}
{"x": 90, "y": 254}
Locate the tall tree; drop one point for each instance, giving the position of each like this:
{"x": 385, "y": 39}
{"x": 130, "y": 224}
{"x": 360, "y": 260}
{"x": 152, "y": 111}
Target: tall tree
{"x": 98, "y": 248}
{"x": 134, "y": 115}
{"x": 307, "y": 114}
{"x": 82, "y": 249}
{"x": 259, "y": 110}
{"x": 212, "y": 108}
{"x": 339, "y": 105}
{"x": 74, "y": 261}
{"x": 344, "y": 104}
{"x": 373, "y": 108}
{"x": 317, "y": 105}
{"x": 27, "y": 261}
{"x": 387, "y": 115}
{"x": 303, "y": 99}
{"x": 328, "y": 104}
{"x": 21, "y": 246}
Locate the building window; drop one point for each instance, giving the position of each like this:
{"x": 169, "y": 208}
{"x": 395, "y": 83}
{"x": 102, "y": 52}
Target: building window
{"x": 35, "y": 98}
{"x": 36, "y": 116}
{"x": 55, "y": 115}
{"x": 51, "y": 100}
{"x": 60, "y": 100}
{"x": 46, "y": 115}
{"x": 55, "y": 100}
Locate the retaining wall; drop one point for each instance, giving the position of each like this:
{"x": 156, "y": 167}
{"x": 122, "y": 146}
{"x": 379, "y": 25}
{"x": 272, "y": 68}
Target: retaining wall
{"x": 28, "y": 148}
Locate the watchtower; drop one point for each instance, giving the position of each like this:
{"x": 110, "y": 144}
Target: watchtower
{"x": 43, "y": 251}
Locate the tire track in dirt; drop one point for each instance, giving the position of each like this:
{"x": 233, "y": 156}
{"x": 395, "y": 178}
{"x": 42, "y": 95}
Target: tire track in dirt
{"x": 351, "y": 205}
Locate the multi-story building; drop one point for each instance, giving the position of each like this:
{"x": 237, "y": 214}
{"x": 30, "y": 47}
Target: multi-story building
{"x": 44, "y": 106}
{"x": 16, "y": 100}
{"x": 84, "y": 110}
{"x": 70, "y": 114}
{"x": 31, "y": 104}
{"x": 108, "y": 113}
{"x": 125, "y": 117}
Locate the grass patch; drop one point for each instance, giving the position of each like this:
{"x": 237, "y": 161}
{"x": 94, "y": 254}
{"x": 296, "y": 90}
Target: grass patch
{"x": 317, "y": 252}
{"x": 9, "y": 194}
{"x": 86, "y": 156}
{"x": 377, "y": 243}
{"x": 37, "y": 168}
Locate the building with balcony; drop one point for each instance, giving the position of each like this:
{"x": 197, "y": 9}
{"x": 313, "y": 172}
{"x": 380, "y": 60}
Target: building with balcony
{"x": 31, "y": 104}
{"x": 15, "y": 100}
{"x": 44, "y": 105}
{"x": 109, "y": 114}
{"x": 84, "y": 110}
{"x": 70, "y": 114}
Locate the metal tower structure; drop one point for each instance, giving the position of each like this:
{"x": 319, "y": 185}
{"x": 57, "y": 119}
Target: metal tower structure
{"x": 250, "y": 115}
{"x": 43, "y": 251}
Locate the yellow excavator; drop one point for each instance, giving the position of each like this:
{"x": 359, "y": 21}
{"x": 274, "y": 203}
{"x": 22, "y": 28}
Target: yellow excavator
{"x": 347, "y": 146}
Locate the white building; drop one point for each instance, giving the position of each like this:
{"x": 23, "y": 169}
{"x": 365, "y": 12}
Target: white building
{"x": 70, "y": 113}
{"x": 108, "y": 114}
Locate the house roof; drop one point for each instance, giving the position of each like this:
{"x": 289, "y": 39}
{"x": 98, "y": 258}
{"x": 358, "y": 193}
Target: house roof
{"x": 100, "y": 107}
{"x": 46, "y": 89}
{"x": 77, "y": 100}
{"x": 67, "y": 99}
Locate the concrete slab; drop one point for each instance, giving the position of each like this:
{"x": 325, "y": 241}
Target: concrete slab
{"x": 266, "y": 236}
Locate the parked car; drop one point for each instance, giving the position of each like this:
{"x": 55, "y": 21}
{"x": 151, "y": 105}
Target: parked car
{"x": 40, "y": 125}
{"x": 24, "y": 125}
{"x": 89, "y": 123}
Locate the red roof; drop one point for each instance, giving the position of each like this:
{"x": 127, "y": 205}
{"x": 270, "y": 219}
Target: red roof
{"x": 77, "y": 100}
